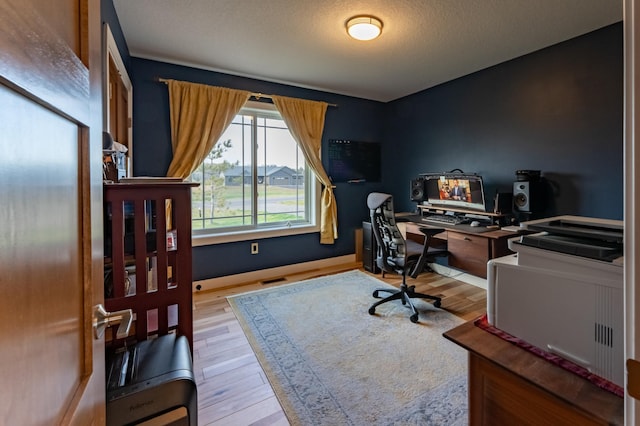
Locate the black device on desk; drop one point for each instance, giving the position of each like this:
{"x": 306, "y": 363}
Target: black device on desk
{"x": 454, "y": 222}
{"x": 456, "y": 199}
{"x": 152, "y": 380}
{"x": 454, "y": 189}
{"x": 446, "y": 219}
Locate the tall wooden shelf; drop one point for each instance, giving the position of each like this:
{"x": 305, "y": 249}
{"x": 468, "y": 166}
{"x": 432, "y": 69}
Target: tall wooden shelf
{"x": 148, "y": 256}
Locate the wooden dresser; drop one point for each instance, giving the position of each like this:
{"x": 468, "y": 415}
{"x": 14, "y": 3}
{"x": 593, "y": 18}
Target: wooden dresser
{"x": 511, "y": 386}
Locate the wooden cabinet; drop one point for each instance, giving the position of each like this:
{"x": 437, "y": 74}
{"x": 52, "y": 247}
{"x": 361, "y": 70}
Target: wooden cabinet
{"x": 148, "y": 256}
{"x": 468, "y": 252}
{"x": 499, "y": 397}
{"x": 509, "y": 385}
{"x": 470, "y": 248}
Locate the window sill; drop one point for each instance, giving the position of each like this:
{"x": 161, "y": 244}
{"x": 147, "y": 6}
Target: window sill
{"x": 211, "y": 239}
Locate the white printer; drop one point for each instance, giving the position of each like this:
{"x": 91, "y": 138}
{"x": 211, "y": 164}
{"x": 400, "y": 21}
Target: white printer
{"x": 563, "y": 291}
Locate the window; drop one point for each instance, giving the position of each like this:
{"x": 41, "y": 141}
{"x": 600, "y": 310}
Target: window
{"x": 254, "y": 180}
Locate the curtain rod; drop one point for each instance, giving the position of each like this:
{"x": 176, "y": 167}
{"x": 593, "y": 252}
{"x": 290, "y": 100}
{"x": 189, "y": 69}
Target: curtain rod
{"x": 253, "y": 94}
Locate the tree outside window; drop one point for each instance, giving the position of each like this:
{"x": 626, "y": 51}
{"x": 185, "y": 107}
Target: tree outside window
{"x": 254, "y": 178}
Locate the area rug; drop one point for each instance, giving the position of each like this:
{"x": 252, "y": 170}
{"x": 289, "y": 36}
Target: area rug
{"x": 331, "y": 363}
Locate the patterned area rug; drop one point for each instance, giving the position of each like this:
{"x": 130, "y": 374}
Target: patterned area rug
{"x": 331, "y": 363}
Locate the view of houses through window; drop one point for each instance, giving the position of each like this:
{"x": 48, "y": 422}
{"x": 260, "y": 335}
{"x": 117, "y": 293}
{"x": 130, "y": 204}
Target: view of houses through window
{"x": 254, "y": 177}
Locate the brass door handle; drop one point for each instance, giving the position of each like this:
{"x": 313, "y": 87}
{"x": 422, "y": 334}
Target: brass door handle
{"x": 103, "y": 319}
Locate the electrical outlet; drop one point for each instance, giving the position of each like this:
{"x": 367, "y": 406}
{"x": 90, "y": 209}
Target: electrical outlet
{"x": 254, "y": 248}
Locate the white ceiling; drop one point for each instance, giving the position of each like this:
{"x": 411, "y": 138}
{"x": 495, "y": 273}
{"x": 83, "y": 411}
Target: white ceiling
{"x": 304, "y": 42}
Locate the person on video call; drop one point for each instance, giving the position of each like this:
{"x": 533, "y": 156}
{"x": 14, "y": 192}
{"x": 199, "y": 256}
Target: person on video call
{"x": 458, "y": 192}
{"x": 444, "y": 192}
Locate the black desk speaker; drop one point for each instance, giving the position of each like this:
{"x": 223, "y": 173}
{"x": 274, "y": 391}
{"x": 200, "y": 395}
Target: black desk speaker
{"x": 503, "y": 203}
{"x": 418, "y": 192}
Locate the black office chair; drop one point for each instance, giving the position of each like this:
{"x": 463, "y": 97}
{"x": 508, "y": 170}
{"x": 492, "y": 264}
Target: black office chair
{"x": 400, "y": 256}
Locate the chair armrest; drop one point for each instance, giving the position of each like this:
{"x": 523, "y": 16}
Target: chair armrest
{"x": 430, "y": 232}
{"x": 426, "y": 253}
{"x": 407, "y": 217}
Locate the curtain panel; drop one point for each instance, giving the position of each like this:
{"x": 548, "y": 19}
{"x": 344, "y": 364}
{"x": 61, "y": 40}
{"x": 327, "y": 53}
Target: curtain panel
{"x": 305, "y": 120}
{"x": 199, "y": 116}
{"x": 200, "y": 113}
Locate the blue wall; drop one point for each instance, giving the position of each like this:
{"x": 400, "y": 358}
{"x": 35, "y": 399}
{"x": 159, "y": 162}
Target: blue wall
{"x": 559, "y": 110}
{"x": 353, "y": 118}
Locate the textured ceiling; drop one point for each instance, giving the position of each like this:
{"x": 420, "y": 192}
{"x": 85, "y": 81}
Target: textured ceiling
{"x": 304, "y": 42}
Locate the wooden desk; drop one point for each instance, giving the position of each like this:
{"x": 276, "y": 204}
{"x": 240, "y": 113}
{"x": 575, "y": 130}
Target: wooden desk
{"x": 509, "y": 385}
{"x": 469, "y": 249}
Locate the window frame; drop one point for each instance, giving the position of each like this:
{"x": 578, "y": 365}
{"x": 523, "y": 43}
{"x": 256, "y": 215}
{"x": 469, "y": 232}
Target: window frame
{"x": 312, "y": 185}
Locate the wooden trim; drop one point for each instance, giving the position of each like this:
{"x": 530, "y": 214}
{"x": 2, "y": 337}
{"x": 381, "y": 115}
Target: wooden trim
{"x": 236, "y": 280}
{"x": 631, "y": 200}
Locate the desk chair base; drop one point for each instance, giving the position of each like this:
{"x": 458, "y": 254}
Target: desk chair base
{"x": 405, "y": 293}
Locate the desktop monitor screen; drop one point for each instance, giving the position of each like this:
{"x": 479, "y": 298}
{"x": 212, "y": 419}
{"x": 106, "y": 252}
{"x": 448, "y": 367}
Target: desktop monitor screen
{"x": 455, "y": 190}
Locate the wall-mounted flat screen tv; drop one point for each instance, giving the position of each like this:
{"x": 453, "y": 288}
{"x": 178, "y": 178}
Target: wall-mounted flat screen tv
{"x": 353, "y": 161}
{"x": 457, "y": 190}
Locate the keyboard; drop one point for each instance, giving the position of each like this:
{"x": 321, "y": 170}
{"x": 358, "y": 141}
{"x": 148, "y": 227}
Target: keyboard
{"x": 446, "y": 219}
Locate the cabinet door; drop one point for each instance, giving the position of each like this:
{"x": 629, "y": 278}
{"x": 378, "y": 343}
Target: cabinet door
{"x": 498, "y": 397}
{"x": 468, "y": 252}
{"x": 52, "y": 368}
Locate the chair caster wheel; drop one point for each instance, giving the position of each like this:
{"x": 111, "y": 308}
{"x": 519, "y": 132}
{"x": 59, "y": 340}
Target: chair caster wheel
{"x": 372, "y": 311}
{"x": 437, "y": 304}
{"x": 414, "y": 318}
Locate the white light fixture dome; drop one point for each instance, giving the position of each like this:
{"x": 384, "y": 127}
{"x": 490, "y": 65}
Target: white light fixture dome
{"x": 364, "y": 27}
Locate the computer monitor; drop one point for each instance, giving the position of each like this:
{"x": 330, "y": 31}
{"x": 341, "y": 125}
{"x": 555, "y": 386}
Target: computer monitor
{"x": 454, "y": 190}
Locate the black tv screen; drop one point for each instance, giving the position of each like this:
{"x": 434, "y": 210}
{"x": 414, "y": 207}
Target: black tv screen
{"x": 353, "y": 161}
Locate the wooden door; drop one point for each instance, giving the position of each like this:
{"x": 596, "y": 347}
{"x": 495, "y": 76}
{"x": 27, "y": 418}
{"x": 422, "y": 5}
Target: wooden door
{"x": 51, "y": 367}
{"x": 632, "y": 212}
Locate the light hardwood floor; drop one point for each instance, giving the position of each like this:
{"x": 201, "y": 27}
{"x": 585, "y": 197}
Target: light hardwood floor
{"x": 233, "y": 389}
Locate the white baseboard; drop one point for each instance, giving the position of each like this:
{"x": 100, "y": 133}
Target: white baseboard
{"x": 459, "y": 275}
{"x": 270, "y": 273}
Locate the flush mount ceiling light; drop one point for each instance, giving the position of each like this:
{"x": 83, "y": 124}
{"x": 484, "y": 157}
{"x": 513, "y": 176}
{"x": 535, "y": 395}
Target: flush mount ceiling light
{"x": 364, "y": 27}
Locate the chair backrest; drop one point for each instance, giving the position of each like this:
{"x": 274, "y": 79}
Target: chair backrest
{"x": 391, "y": 244}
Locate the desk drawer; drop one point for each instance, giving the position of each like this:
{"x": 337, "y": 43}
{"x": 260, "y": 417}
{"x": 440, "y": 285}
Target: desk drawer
{"x": 468, "y": 252}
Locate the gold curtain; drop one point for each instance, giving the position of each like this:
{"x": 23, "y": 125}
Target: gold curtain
{"x": 199, "y": 115}
{"x": 305, "y": 120}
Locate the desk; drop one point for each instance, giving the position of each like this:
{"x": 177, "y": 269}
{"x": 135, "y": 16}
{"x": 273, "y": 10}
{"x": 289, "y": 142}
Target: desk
{"x": 470, "y": 248}
{"x": 509, "y": 385}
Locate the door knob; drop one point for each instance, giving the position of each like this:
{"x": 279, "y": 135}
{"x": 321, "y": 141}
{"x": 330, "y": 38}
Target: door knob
{"x": 103, "y": 319}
